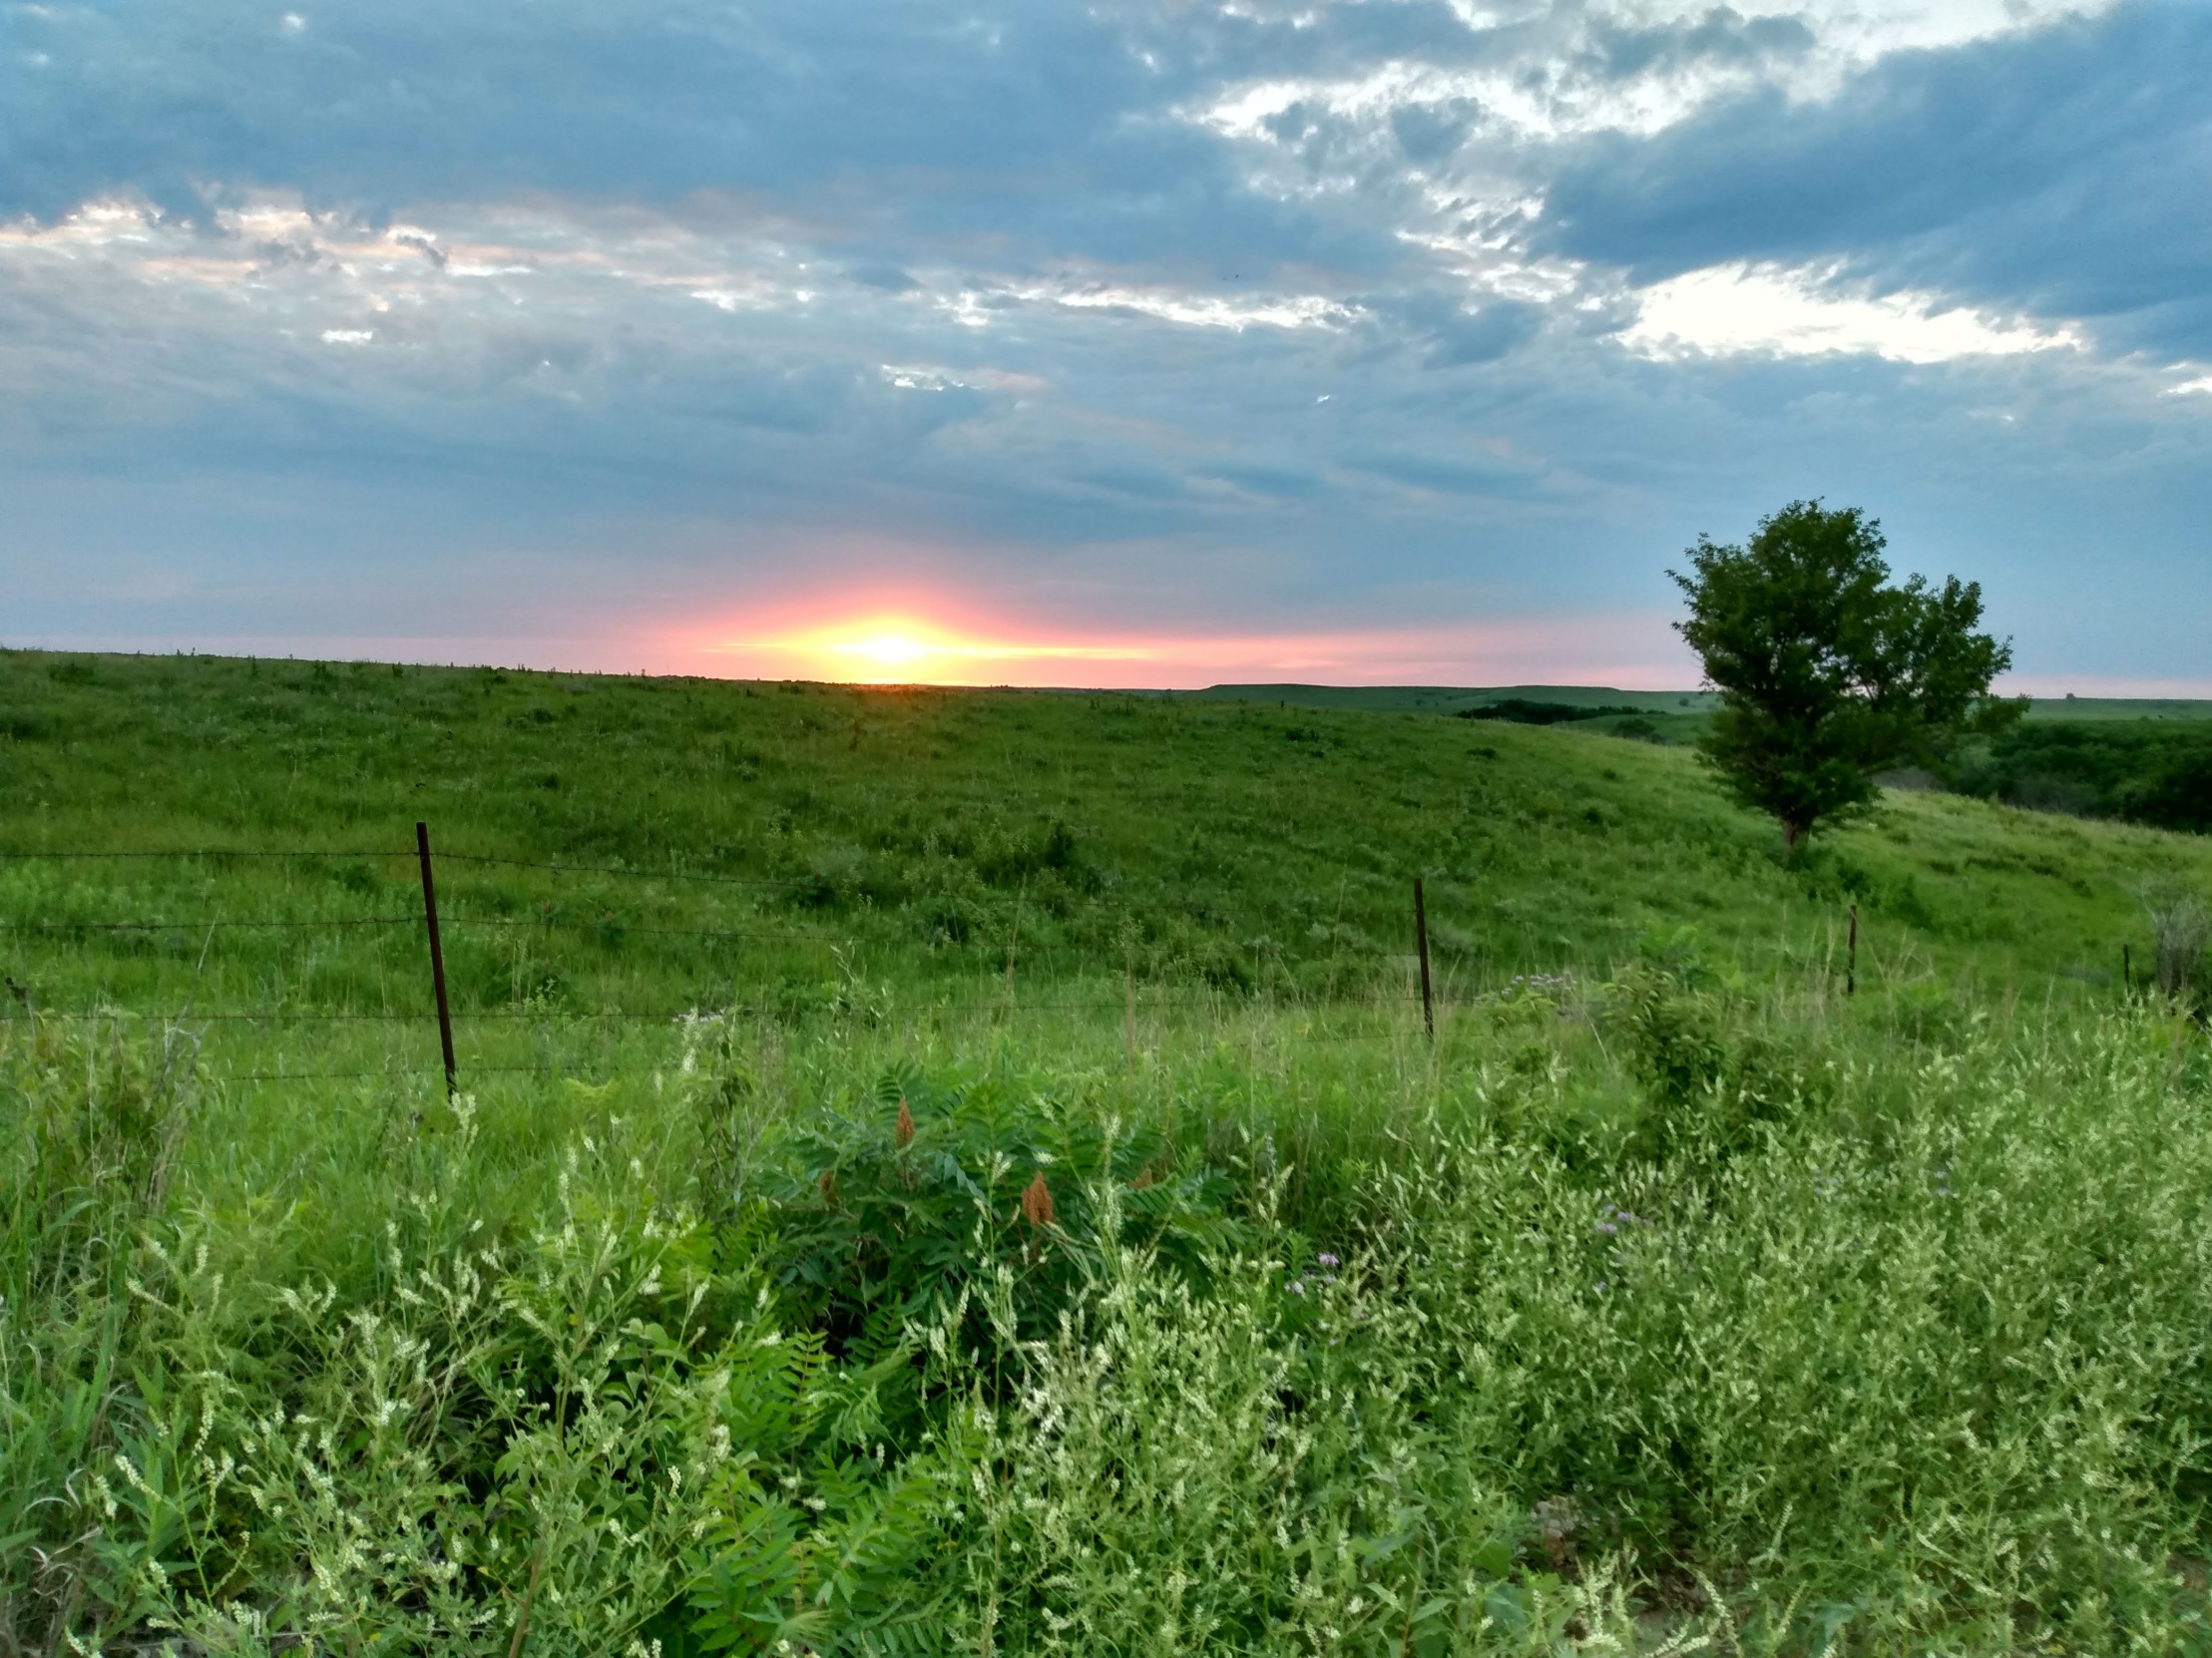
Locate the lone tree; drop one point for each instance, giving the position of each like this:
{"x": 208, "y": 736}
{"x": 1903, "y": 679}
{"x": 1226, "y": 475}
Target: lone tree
{"x": 1827, "y": 673}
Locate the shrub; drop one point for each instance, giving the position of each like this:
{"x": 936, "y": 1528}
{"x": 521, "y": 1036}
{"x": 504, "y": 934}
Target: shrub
{"x": 880, "y": 1219}
{"x": 1710, "y": 1081}
{"x": 914, "y": 1203}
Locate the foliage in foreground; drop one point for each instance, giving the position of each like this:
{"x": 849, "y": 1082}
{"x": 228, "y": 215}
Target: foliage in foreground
{"x": 1724, "y": 1326}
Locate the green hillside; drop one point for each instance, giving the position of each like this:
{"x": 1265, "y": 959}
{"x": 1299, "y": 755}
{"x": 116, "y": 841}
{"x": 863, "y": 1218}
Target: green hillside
{"x": 1223, "y": 845}
{"x": 2140, "y": 760}
{"x": 1452, "y": 698}
{"x": 1448, "y": 699}
{"x": 968, "y": 1170}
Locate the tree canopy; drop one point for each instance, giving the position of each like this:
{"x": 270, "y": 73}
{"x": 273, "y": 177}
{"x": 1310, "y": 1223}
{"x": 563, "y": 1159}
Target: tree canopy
{"x": 1828, "y": 673}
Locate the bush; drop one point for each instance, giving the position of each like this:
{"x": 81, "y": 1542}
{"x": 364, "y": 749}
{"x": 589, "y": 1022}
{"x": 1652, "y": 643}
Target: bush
{"x": 879, "y": 1220}
{"x": 1710, "y": 1082}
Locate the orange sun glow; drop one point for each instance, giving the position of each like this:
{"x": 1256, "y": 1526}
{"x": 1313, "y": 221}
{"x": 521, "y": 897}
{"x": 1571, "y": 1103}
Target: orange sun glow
{"x": 899, "y": 650}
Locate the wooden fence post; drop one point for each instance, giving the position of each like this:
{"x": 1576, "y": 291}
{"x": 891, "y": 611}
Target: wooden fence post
{"x": 1851, "y": 957}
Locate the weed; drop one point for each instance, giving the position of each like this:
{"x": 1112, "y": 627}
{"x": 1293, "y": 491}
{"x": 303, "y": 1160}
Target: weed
{"x": 2181, "y": 927}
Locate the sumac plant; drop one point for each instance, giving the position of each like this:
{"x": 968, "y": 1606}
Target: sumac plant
{"x": 932, "y": 1194}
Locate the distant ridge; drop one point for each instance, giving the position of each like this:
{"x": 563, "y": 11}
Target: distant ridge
{"x": 1448, "y": 699}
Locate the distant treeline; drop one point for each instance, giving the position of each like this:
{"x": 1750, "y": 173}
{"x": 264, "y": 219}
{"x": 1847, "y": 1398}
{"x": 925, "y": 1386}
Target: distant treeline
{"x": 1521, "y": 712}
{"x": 2143, "y": 771}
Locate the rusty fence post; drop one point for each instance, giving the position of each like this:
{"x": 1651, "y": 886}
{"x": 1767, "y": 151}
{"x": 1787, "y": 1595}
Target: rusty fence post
{"x": 1420, "y": 941}
{"x": 437, "y": 959}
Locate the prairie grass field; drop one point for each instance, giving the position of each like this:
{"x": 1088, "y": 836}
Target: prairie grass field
{"x": 967, "y": 1171}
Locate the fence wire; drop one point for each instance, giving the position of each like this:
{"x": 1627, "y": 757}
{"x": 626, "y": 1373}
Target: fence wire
{"x": 411, "y": 853}
{"x": 996, "y": 1006}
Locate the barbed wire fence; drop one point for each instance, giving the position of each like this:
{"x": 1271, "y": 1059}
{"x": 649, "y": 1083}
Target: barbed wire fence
{"x": 428, "y": 922}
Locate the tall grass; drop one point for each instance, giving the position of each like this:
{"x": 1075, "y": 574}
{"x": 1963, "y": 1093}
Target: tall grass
{"x": 1474, "y": 1355}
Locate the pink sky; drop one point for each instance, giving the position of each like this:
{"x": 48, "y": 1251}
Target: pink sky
{"x": 911, "y": 645}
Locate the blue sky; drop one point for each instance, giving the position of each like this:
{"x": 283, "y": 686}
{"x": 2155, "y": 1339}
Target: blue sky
{"x": 1142, "y": 343}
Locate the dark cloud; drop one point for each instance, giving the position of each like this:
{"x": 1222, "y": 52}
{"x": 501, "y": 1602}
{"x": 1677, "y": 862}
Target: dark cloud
{"x": 1286, "y": 482}
{"x": 2065, "y": 172}
{"x": 1428, "y": 133}
{"x": 1034, "y": 128}
{"x": 888, "y": 277}
{"x": 1455, "y": 334}
{"x": 1721, "y": 35}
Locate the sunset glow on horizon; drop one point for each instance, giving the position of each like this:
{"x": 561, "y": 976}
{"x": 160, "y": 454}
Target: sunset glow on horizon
{"x": 900, "y": 647}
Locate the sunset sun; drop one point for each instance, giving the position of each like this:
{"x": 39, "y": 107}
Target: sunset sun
{"x": 888, "y": 650}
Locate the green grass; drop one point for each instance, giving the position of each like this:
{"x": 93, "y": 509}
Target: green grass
{"x": 1668, "y": 1295}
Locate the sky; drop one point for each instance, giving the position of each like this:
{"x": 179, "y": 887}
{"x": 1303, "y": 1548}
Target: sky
{"x": 1400, "y": 342}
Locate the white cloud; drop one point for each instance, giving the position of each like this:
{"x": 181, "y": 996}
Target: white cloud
{"x": 1549, "y": 75}
{"x": 1560, "y": 84}
{"x": 917, "y": 378}
{"x": 727, "y": 299}
{"x": 1863, "y": 30}
{"x": 1732, "y": 309}
{"x": 1293, "y": 310}
{"x": 1513, "y": 102}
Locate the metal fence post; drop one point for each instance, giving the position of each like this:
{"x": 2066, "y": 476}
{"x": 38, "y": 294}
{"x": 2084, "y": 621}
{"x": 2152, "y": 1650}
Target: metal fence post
{"x": 1421, "y": 940}
{"x": 437, "y": 959}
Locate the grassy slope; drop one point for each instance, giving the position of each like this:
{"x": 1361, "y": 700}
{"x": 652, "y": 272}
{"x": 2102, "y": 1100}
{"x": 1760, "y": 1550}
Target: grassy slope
{"x": 1679, "y": 718}
{"x": 1229, "y": 845}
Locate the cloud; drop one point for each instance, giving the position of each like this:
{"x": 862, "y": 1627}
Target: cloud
{"x": 1801, "y": 313}
{"x": 1455, "y": 334}
{"x": 2043, "y": 173}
